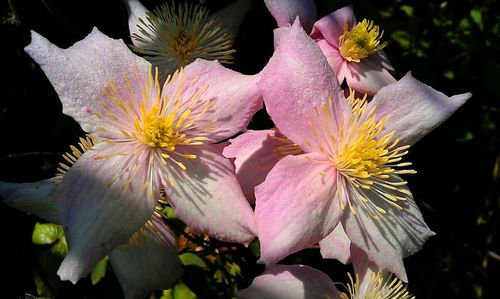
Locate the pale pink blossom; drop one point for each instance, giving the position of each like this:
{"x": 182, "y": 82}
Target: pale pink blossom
{"x": 354, "y": 50}
{"x": 150, "y": 135}
{"x": 349, "y": 170}
{"x": 304, "y": 282}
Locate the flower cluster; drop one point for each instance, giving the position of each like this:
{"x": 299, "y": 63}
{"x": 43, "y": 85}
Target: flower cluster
{"x": 158, "y": 114}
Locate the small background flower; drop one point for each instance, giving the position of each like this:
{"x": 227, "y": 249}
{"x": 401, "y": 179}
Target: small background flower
{"x": 451, "y": 45}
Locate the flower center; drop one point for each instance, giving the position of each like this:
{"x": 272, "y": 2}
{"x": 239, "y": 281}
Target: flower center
{"x": 362, "y": 41}
{"x": 161, "y": 122}
{"x": 173, "y": 36}
{"x": 183, "y": 43}
{"x": 367, "y": 161}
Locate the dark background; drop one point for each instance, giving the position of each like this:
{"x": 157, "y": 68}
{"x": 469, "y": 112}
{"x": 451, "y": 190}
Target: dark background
{"x": 450, "y": 45}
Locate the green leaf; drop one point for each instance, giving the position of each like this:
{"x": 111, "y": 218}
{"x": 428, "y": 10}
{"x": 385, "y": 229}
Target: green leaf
{"x": 46, "y": 233}
{"x": 402, "y": 38}
{"x": 178, "y": 291}
{"x": 407, "y": 9}
{"x": 189, "y": 258}
{"x": 42, "y": 290}
{"x": 449, "y": 74}
{"x": 255, "y": 247}
{"x": 99, "y": 271}
{"x": 476, "y": 16}
{"x": 233, "y": 269}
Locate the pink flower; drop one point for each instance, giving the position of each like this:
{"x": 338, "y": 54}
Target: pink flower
{"x": 354, "y": 50}
{"x": 149, "y": 134}
{"x": 286, "y": 11}
{"x": 300, "y": 281}
{"x": 349, "y": 171}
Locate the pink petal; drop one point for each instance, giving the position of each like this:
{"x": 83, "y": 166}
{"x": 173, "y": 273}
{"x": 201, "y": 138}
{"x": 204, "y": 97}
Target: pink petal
{"x": 136, "y": 11}
{"x": 334, "y": 58}
{"x": 336, "y": 245}
{"x": 237, "y": 96}
{"x": 369, "y": 75}
{"x": 295, "y": 206}
{"x": 102, "y": 202}
{"x": 80, "y": 73}
{"x": 285, "y": 12}
{"x": 297, "y": 79}
{"x": 148, "y": 261}
{"x": 415, "y": 109}
{"x": 395, "y": 235}
{"x": 33, "y": 198}
{"x": 255, "y": 154}
{"x": 207, "y": 197}
{"x": 331, "y": 27}
{"x": 363, "y": 267}
{"x": 290, "y": 282}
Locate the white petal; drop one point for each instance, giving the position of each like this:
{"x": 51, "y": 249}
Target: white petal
{"x": 148, "y": 261}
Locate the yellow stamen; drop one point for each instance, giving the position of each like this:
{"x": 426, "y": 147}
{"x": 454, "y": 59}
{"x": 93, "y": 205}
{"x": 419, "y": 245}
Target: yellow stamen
{"x": 367, "y": 160}
{"x": 379, "y": 287}
{"x": 84, "y": 145}
{"x": 362, "y": 41}
{"x": 161, "y": 123}
{"x": 174, "y": 36}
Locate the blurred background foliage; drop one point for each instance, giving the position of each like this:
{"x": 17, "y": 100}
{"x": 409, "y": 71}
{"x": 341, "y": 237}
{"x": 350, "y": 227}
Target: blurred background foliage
{"x": 451, "y": 45}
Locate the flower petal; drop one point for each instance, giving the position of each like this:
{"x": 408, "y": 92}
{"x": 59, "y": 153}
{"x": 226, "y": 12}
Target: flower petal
{"x": 334, "y": 58}
{"x": 336, "y": 245}
{"x": 80, "y": 73}
{"x": 396, "y": 235}
{"x": 295, "y": 206}
{"x": 295, "y": 81}
{"x": 285, "y": 12}
{"x": 290, "y": 282}
{"x": 102, "y": 201}
{"x": 369, "y": 75}
{"x": 148, "y": 261}
{"x": 207, "y": 197}
{"x": 331, "y": 26}
{"x": 255, "y": 155}
{"x": 136, "y": 11}
{"x": 33, "y": 198}
{"x": 415, "y": 109}
{"x": 236, "y": 96}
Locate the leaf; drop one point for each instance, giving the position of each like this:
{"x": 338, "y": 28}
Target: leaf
{"x": 407, "y": 9}
{"x": 42, "y": 289}
{"x": 402, "y": 38}
{"x": 233, "y": 269}
{"x": 476, "y": 16}
{"x": 255, "y": 247}
{"x": 46, "y": 233}
{"x": 181, "y": 291}
{"x": 178, "y": 291}
{"x": 99, "y": 271}
{"x": 189, "y": 258}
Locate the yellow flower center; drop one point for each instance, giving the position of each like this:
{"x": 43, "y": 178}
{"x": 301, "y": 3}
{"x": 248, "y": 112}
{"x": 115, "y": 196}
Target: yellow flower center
{"x": 366, "y": 160}
{"x": 362, "y": 41}
{"x": 158, "y": 131}
{"x": 159, "y": 122}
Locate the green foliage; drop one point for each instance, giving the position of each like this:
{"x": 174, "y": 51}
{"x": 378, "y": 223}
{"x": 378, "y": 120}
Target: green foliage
{"x": 99, "y": 271}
